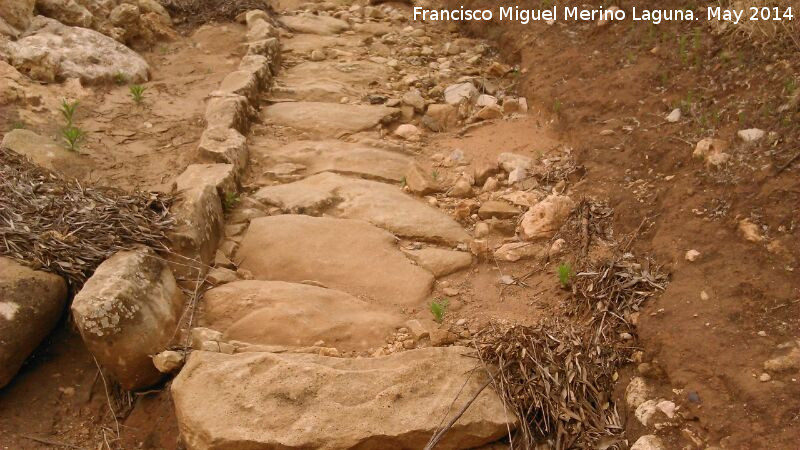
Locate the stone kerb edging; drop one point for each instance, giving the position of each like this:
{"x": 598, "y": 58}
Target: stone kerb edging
{"x": 129, "y": 310}
{"x": 222, "y": 153}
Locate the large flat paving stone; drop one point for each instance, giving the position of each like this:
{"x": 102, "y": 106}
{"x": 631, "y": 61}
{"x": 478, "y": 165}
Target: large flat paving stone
{"x": 303, "y": 401}
{"x": 305, "y": 43}
{"x": 340, "y": 157}
{"x": 313, "y": 24}
{"x": 348, "y": 255}
{"x": 381, "y": 204}
{"x": 329, "y": 81}
{"x": 328, "y": 119}
{"x": 295, "y": 314}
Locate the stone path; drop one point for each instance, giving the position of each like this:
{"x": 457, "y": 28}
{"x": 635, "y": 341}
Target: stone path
{"x": 294, "y": 351}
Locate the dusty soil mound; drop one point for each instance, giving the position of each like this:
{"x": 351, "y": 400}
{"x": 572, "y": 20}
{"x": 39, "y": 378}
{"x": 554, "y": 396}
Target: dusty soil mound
{"x": 69, "y": 228}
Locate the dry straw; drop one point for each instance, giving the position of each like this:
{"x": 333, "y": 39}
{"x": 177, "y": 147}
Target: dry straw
{"x": 558, "y": 376}
{"x": 69, "y": 228}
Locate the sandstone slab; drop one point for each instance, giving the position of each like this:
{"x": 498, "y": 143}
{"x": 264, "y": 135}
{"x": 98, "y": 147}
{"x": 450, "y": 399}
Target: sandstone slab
{"x": 312, "y": 24}
{"x": 223, "y": 145}
{"x": 378, "y": 203}
{"x": 198, "y": 230}
{"x": 127, "y": 312}
{"x": 31, "y": 302}
{"x": 343, "y": 158}
{"x": 295, "y": 314}
{"x": 300, "y": 401}
{"x": 349, "y": 255}
{"x": 328, "y": 119}
{"x": 50, "y": 51}
{"x": 219, "y": 176}
{"x": 440, "y": 262}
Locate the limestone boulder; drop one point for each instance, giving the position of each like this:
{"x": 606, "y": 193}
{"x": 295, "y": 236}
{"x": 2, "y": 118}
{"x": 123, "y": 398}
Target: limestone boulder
{"x": 457, "y": 93}
{"x": 45, "y": 153}
{"x": 343, "y": 158}
{"x": 545, "y": 218}
{"x": 512, "y": 161}
{"x": 440, "y": 117}
{"x": 127, "y": 312}
{"x": 312, "y": 24}
{"x": 31, "y": 303}
{"x": 348, "y": 255}
{"x": 51, "y": 51}
{"x": 328, "y": 119}
{"x": 380, "y": 204}
{"x": 300, "y": 401}
{"x": 15, "y": 16}
{"x": 68, "y": 12}
{"x": 295, "y": 314}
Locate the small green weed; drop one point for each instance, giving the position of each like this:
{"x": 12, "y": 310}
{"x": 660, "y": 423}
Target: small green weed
{"x": 18, "y": 125}
{"x": 120, "y": 78}
{"x": 73, "y": 136}
{"x": 565, "y": 274}
{"x": 137, "y": 93}
{"x": 68, "y": 111}
{"x": 439, "y": 309}
{"x": 230, "y": 200}
{"x": 557, "y": 106}
{"x": 435, "y": 175}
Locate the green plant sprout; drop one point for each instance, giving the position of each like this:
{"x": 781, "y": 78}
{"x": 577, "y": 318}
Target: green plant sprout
{"x": 68, "y": 111}
{"x": 137, "y": 93}
{"x": 73, "y": 136}
{"x": 438, "y": 309}
{"x": 565, "y": 274}
{"x": 230, "y": 200}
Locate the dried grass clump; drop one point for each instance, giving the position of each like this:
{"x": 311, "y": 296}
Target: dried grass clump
{"x": 763, "y": 32}
{"x": 202, "y": 11}
{"x": 67, "y": 228}
{"x": 558, "y": 376}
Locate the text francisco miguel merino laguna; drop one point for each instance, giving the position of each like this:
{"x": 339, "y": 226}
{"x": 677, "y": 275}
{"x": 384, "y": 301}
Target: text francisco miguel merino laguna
{"x": 656, "y": 16}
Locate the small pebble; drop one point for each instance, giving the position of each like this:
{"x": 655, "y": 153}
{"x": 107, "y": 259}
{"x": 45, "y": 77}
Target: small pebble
{"x": 764, "y": 377}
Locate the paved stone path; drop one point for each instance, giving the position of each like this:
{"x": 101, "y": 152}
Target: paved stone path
{"x": 320, "y": 240}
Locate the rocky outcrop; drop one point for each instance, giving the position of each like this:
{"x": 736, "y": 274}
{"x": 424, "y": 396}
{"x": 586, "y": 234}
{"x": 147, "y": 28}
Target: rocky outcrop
{"x": 50, "y": 51}
{"x": 31, "y": 302}
{"x": 299, "y": 401}
{"x": 295, "y": 314}
{"x": 127, "y": 312}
